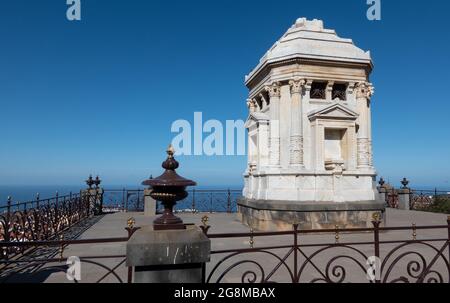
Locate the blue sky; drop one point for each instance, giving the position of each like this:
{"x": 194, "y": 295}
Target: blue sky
{"x": 100, "y": 95}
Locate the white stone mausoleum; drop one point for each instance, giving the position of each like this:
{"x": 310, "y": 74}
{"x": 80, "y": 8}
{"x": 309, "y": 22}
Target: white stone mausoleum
{"x": 310, "y": 134}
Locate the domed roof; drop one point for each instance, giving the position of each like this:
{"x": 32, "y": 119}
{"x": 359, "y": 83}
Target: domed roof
{"x": 309, "y": 40}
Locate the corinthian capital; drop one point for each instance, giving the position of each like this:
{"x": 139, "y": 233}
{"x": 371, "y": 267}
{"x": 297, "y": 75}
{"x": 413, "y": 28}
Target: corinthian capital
{"x": 251, "y": 104}
{"x": 297, "y": 85}
{"x": 273, "y": 90}
{"x": 364, "y": 90}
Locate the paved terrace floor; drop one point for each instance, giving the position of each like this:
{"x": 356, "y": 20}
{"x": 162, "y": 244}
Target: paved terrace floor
{"x": 113, "y": 225}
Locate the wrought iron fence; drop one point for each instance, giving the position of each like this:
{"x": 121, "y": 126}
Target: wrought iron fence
{"x": 218, "y": 201}
{"x": 296, "y": 259}
{"x": 101, "y": 268}
{"x": 42, "y": 219}
{"x": 123, "y": 200}
{"x": 418, "y": 199}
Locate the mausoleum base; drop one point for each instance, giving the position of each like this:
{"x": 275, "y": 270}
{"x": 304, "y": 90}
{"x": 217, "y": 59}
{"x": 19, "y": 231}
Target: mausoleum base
{"x": 263, "y": 215}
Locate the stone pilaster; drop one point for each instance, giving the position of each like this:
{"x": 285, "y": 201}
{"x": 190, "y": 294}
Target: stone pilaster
{"x": 329, "y": 90}
{"x": 364, "y": 92}
{"x": 296, "y": 140}
{"x": 274, "y": 94}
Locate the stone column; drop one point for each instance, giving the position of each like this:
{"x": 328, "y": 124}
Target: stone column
{"x": 263, "y": 140}
{"x": 364, "y": 92}
{"x": 404, "y": 195}
{"x": 296, "y": 152}
{"x": 274, "y": 94}
{"x": 149, "y": 204}
{"x": 251, "y": 104}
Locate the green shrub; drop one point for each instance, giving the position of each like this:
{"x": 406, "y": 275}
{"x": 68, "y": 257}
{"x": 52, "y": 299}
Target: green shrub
{"x": 441, "y": 205}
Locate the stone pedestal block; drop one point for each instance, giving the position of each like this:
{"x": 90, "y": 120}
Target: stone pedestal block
{"x": 382, "y": 194}
{"x": 172, "y": 256}
{"x": 266, "y": 215}
{"x": 150, "y": 204}
{"x": 404, "y": 199}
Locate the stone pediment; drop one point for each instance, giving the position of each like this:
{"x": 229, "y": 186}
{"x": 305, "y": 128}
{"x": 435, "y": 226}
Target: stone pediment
{"x": 334, "y": 111}
{"x": 255, "y": 118}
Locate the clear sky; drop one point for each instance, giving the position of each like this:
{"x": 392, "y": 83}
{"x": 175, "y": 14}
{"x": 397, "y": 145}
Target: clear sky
{"x": 100, "y": 95}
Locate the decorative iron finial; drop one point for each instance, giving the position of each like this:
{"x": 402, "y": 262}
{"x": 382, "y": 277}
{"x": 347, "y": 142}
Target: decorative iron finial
{"x": 376, "y": 217}
{"x": 337, "y": 236}
{"x": 381, "y": 182}
{"x": 405, "y": 183}
{"x": 131, "y": 222}
{"x": 97, "y": 181}
{"x": 90, "y": 181}
{"x": 205, "y": 220}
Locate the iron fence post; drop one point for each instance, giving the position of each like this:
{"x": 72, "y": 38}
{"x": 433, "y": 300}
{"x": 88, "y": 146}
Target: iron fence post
{"x": 210, "y": 203}
{"x": 37, "y": 231}
{"x": 376, "y": 234}
{"x": 448, "y": 238}
{"x": 8, "y": 220}
{"x": 125, "y": 202}
{"x": 56, "y": 212}
{"x": 296, "y": 276}
{"x": 229, "y": 201}
{"x": 193, "y": 200}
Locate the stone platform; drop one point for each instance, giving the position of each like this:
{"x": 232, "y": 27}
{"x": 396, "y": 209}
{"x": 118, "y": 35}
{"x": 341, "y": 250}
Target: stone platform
{"x": 266, "y": 215}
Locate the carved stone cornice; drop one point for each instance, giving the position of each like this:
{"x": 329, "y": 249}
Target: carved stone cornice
{"x": 297, "y": 85}
{"x": 274, "y": 90}
{"x": 364, "y": 90}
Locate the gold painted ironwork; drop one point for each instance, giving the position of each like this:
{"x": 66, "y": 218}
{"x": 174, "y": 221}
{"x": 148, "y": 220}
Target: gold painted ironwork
{"x": 376, "y": 217}
{"x": 205, "y": 220}
{"x": 337, "y": 235}
{"x": 61, "y": 248}
{"x": 131, "y": 222}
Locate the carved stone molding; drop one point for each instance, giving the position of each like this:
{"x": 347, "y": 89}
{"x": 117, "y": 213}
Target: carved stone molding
{"x": 274, "y": 90}
{"x": 364, "y": 90}
{"x": 297, "y": 86}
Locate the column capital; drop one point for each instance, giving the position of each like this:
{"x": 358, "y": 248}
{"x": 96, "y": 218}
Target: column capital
{"x": 364, "y": 90}
{"x": 273, "y": 90}
{"x": 251, "y": 104}
{"x": 297, "y": 85}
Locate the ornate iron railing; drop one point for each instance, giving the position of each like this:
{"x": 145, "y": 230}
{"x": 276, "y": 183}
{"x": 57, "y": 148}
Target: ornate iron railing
{"x": 42, "y": 219}
{"x": 52, "y": 260}
{"x": 218, "y": 201}
{"x": 123, "y": 200}
{"x": 297, "y": 259}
